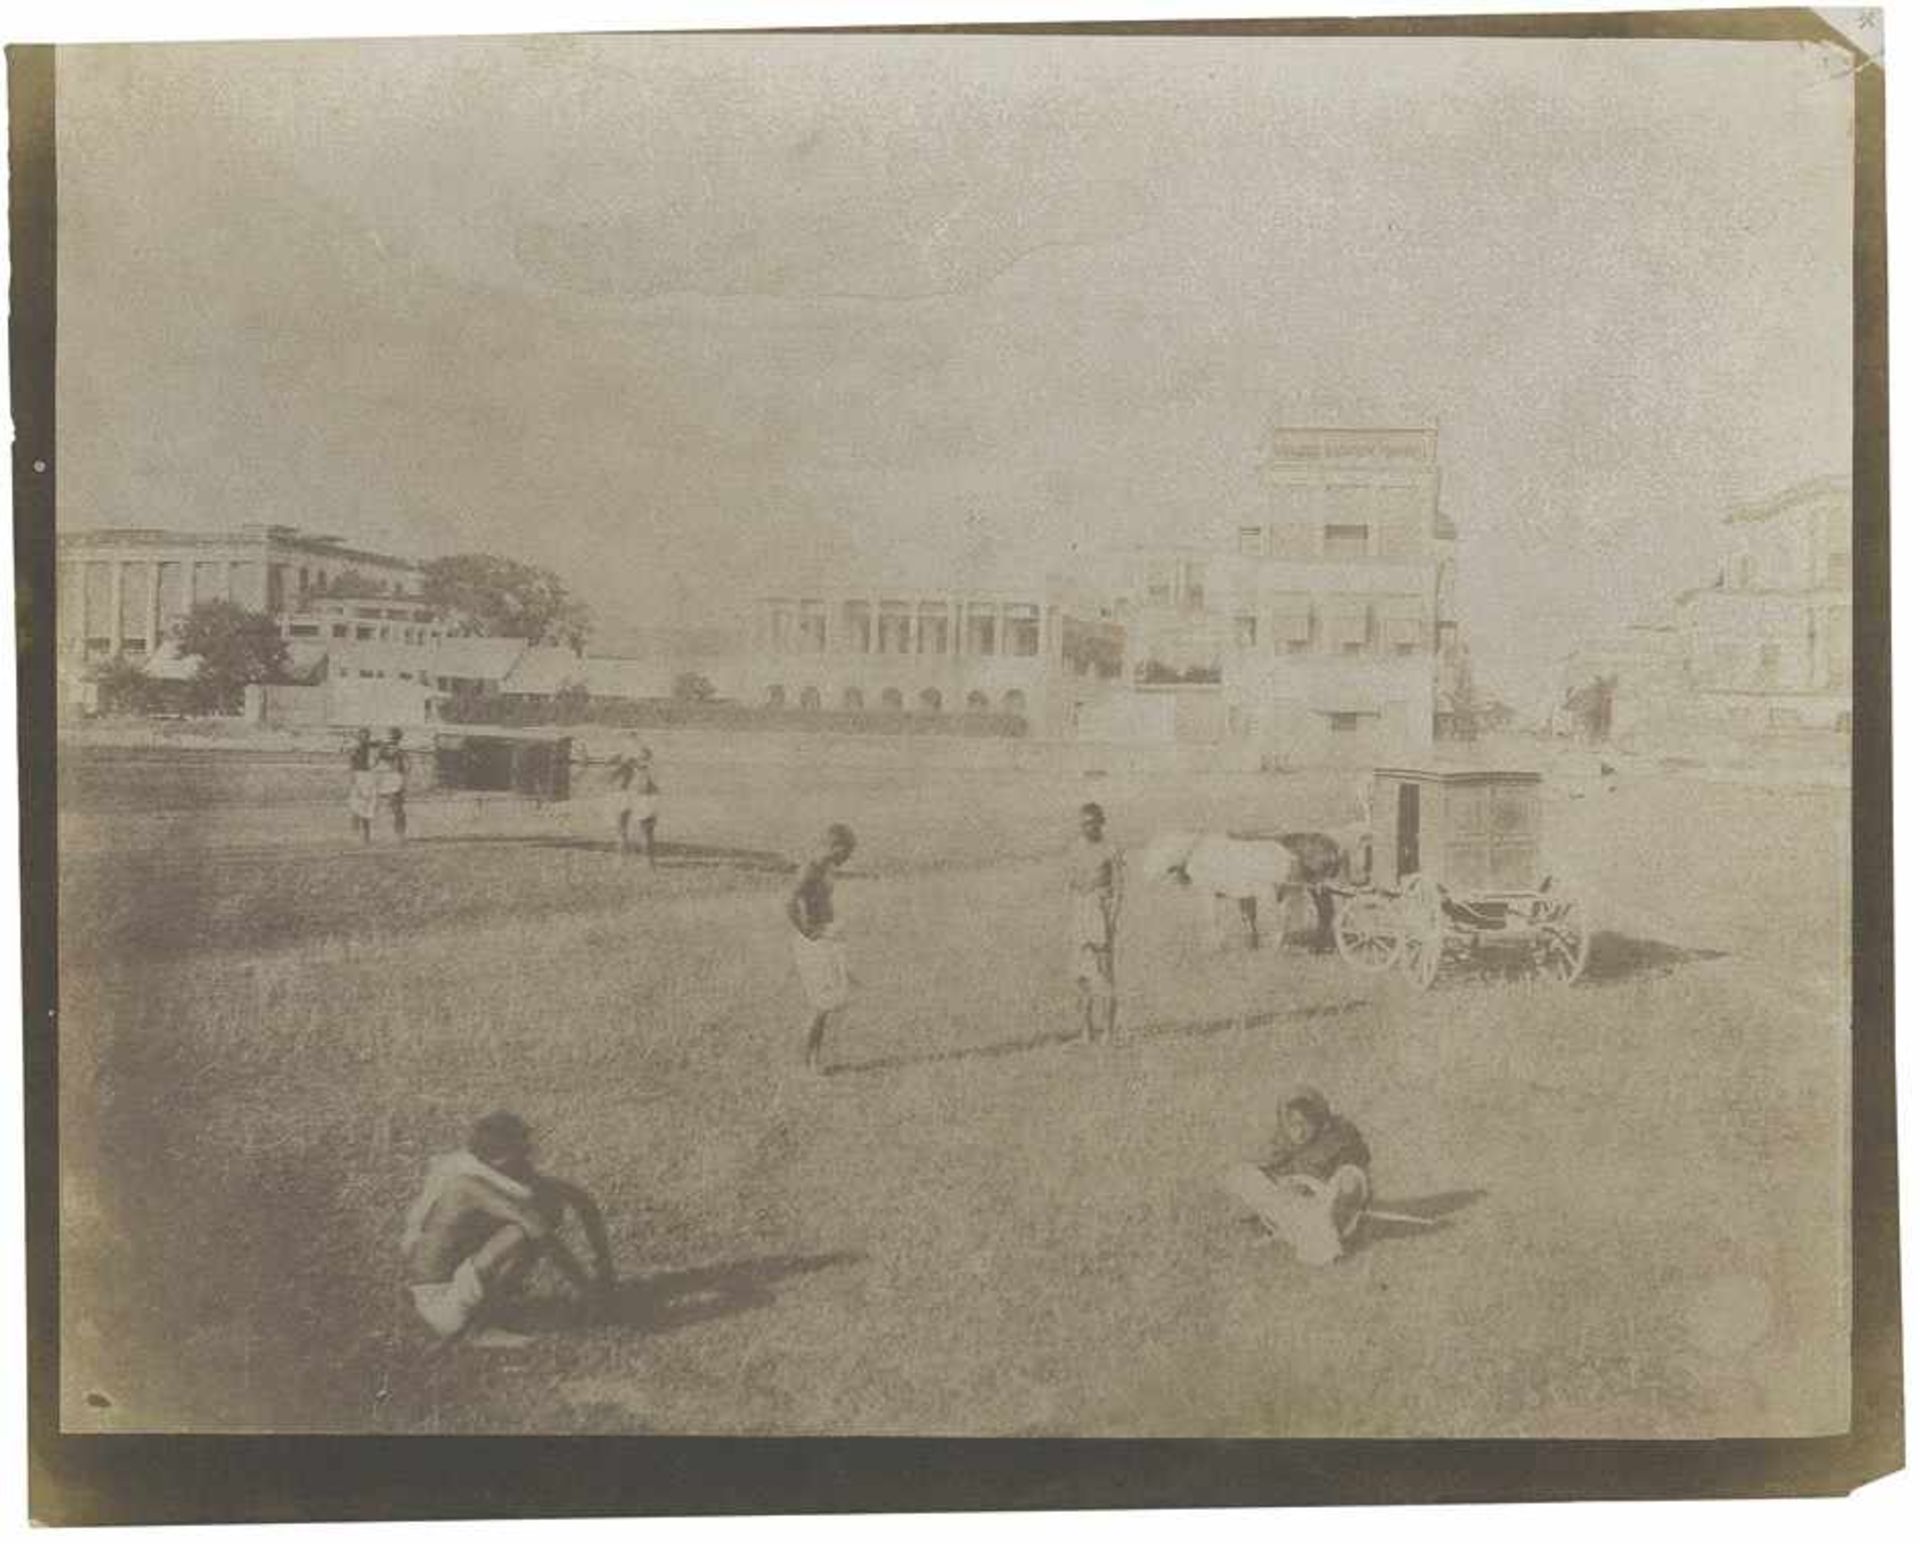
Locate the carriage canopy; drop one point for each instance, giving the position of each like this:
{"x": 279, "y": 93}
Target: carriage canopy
{"x": 1469, "y": 830}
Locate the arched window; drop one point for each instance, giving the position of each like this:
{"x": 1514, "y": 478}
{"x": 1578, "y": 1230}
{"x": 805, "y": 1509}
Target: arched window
{"x": 930, "y": 699}
{"x": 776, "y": 696}
{"x": 1015, "y": 701}
{"x": 977, "y": 702}
{"x": 853, "y": 699}
{"x": 890, "y": 699}
{"x": 810, "y": 698}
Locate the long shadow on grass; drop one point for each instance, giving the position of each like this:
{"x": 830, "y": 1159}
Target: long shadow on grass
{"x": 672, "y": 1300}
{"x": 1435, "y": 1213}
{"x": 994, "y": 1049}
{"x": 669, "y": 854}
{"x": 1611, "y": 957}
{"x": 1617, "y": 957}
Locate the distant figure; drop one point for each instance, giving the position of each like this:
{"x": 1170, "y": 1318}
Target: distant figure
{"x": 1095, "y": 881}
{"x": 1313, "y": 1185}
{"x": 484, "y": 1218}
{"x": 363, "y": 798}
{"x": 390, "y": 780}
{"x": 636, "y": 800}
{"x": 817, "y": 949}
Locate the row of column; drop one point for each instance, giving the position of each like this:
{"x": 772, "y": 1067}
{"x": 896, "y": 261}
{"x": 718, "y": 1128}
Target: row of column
{"x": 79, "y": 591}
{"x": 953, "y": 612}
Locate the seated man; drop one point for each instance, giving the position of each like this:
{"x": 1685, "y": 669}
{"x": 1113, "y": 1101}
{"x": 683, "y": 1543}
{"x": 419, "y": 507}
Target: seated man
{"x": 1313, "y": 1187}
{"x": 484, "y": 1218}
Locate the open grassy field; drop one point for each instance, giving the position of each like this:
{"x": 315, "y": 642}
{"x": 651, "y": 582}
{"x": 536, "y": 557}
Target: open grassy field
{"x": 974, "y": 1226}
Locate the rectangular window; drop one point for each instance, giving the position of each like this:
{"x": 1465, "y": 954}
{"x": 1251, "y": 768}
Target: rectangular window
{"x": 1023, "y": 631}
{"x": 856, "y": 627}
{"x": 1253, "y": 541}
{"x": 780, "y": 629}
{"x": 933, "y": 628}
{"x": 1344, "y": 541}
{"x": 982, "y": 627}
{"x": 1403, "y": 625}
{"x": 813, "y": 627}
{"x": 1293, "y": 625}
{"x": 339, "y": 629}
{"x": 1246, "y": 632}
{"x": 363, "y": 634}
{"x": 1347, "y": 628}
{"x": 1344, "y": 723}
{"x": 896, "y": 627}
{"x": 303, "y": 630}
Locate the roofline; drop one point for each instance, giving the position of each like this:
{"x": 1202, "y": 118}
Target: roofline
{"x": 1766, "y": 507}
{"x": 284, "y": 536}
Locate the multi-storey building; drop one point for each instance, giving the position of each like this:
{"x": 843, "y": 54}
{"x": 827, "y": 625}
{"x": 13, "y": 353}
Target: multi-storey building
{"x": 1040, "y": 649}
{"x": 1770, "y": 641}
{"x": 121, "y": 590}
{"x": 1313, "y": 628}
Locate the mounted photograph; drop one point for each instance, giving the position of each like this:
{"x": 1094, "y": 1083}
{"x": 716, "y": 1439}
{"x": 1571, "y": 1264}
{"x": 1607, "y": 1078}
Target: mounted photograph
{"x": 957, "y": 735}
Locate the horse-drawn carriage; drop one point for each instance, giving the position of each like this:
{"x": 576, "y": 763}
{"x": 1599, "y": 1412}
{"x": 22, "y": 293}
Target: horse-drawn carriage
{"x": 1452, "y": 867}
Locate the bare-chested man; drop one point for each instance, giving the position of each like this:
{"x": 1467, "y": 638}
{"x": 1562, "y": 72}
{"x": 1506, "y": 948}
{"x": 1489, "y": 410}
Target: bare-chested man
{"x": 817, "y": 949}
{"x": 1095, "y": 880}
{"x": 484, "y": 1218}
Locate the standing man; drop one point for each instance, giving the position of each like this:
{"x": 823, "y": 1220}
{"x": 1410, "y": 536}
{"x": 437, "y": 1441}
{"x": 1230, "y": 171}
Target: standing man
{"x": 817, "y": 949}
{"x": 1094, "y": 885}
{"x": 390, "y": 781}
{"x": 638, "y": 799}
{"x": 363, "y": 801}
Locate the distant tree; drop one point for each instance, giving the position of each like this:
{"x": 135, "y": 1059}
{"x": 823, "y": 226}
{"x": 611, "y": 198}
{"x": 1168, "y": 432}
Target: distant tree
{"x": 690, "y": 686}
{"x": 481, "y": 594}
{"x": 237, "y": 648}
{"x": 1592, "y": 708}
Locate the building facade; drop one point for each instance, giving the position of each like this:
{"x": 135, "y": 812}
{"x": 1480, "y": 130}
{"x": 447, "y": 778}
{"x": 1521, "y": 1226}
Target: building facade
{"x": 120, "y": 591}
{"x": 1316, "y": 628}
{"x": 1770, "y": 641}
{"x": 1040, "y": 650}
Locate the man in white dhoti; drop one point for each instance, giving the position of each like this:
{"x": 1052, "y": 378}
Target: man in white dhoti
{"x": 818, "y": 952}
{"x": 1095, "y": 880}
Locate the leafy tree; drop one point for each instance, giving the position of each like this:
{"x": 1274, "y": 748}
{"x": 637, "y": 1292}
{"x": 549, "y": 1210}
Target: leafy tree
{"x": 481, "y": 594}
{"x": 690, "y": 686}
{"x": 237, "y": 648}
{"x": 124, "y": 686}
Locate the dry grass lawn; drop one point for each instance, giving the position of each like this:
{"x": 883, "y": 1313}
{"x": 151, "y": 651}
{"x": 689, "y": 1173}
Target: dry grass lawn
{"x": 974, "y": 1226}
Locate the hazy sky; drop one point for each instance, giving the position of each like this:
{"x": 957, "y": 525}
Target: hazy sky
{"x": 673, "y": 316}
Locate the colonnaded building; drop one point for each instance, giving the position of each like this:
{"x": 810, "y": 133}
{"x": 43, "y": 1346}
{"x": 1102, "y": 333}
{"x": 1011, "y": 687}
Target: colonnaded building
{"x": 1314, "y": 623}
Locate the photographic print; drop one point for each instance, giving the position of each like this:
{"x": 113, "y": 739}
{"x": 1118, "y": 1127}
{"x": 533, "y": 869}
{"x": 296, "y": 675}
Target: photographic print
{"x": 949, "y": 736}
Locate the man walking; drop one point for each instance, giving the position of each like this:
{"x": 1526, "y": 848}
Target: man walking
{"x": 817, "y": 950}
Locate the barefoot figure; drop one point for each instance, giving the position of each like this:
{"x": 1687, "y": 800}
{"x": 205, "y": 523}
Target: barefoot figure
{"x": 1313, "y": 1186}
{"x": 1095, "y": 879}
{"x": 817, "y": 950}
{"x": 484, "y": 1218}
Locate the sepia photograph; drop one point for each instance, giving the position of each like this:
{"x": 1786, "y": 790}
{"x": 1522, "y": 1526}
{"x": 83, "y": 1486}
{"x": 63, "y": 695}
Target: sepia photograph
{"x": 955, "y": 735}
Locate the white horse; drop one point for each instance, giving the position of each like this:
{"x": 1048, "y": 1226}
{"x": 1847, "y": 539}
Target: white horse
{"x": 1250, "y": 869}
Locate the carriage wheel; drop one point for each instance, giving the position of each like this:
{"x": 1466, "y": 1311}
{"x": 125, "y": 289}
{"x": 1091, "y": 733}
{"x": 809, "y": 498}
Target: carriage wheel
{"x": 1561, "y": 953}
{"x": 1423, "y": 932}
{"x": 1367, "y": 933}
